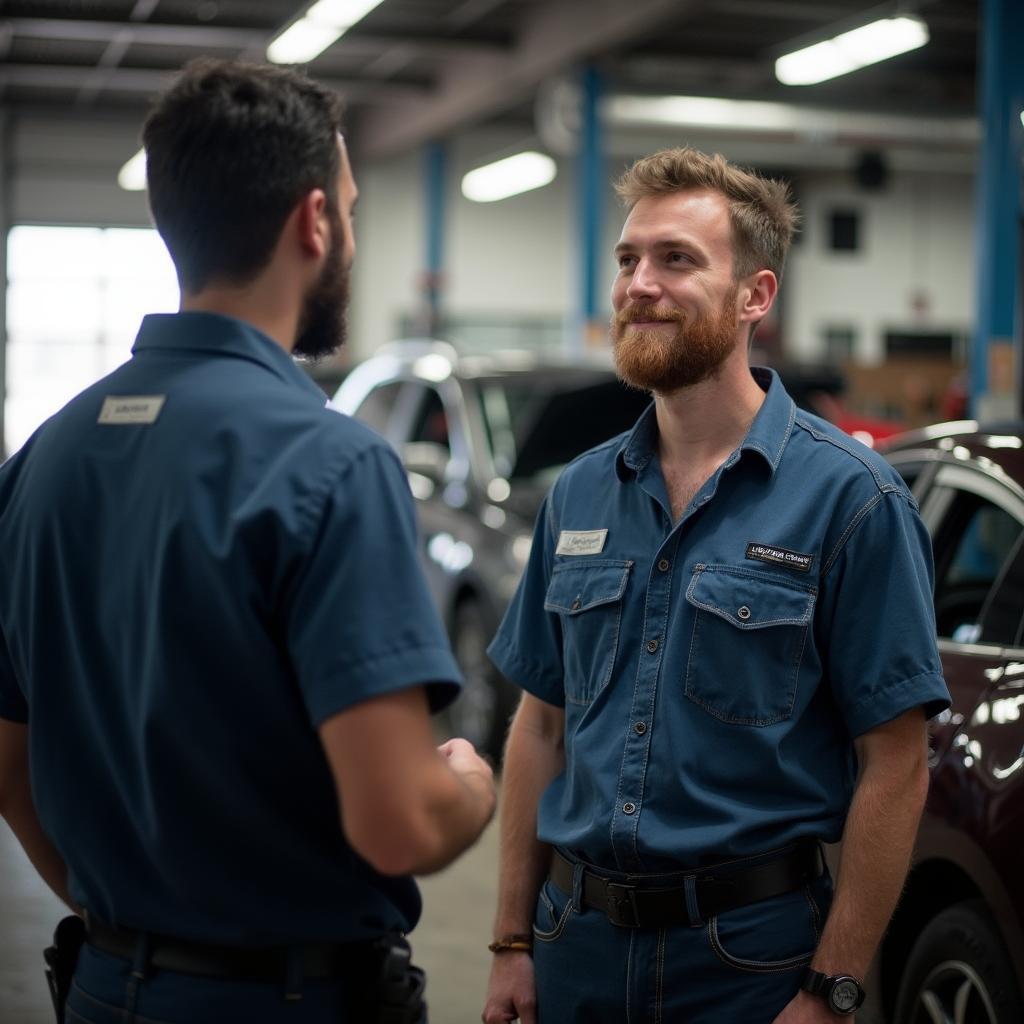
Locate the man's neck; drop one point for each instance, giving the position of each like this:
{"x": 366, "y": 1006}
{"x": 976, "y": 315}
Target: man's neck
{"x": 702, "y": 424}
{"x": 255, "y": 303}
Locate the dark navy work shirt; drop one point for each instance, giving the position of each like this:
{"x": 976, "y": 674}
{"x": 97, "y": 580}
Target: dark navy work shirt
{"x": 715, "y": 671}
{"x": 199, "y": 564}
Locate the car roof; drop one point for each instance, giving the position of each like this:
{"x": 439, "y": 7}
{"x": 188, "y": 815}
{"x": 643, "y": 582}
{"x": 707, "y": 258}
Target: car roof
{"x": 1001, "y": 443}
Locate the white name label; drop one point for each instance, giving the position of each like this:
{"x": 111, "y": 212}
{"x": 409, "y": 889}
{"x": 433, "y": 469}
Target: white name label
{"x": 131, "y": 408}
{"x": 581, "y": 542}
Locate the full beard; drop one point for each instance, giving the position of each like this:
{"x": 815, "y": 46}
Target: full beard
{"x": 663, "y": 361}
{"x": 322, "y": 327}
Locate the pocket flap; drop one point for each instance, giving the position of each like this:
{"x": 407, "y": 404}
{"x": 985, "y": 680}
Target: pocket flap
{"x": 749, "y": 601}
{"x": 576, "y": 587}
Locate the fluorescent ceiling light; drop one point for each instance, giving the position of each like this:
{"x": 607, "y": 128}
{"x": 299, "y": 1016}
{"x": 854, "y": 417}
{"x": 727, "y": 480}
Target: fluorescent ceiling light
{"x": 132, "y": 177}
{"x": 509, "y": 177}
{"x": 321, "y": 25}
{"x": 851, "y": 50}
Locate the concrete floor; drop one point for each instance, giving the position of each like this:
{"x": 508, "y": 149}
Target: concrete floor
{"x": 450, "y": 942}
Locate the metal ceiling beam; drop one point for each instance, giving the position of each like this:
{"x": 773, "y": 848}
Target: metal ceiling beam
{"x": 145, "y": 82}
{"x": 205, "y": 37}
{"x": 551, "y": 38}
{"x": 197, "y": 36}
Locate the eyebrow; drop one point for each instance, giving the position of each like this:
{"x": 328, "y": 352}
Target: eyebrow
{"x": 662, "y": 244}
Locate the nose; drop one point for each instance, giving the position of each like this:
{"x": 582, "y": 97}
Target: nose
{"x": 643, "y": 283}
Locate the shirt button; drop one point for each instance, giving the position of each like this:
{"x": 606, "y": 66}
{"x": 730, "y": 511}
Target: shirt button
{"x": 743, "y": 613}
{"x": 652, "y": 645}
{"x": 628, "y": 808}
{"x": 664, "y": 564}
{"x": 576, "y": 605}
{"x": 640, "y": 728}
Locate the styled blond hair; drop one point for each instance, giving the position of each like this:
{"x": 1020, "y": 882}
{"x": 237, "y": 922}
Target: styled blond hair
{"x": 761, "y": 213}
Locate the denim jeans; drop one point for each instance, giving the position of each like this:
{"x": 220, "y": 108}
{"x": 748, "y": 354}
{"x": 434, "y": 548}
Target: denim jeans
{"x": 105, "y": 992}
{"x": 743, "y": 965}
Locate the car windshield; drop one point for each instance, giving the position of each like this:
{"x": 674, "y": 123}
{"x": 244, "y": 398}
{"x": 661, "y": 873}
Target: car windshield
{"x": 536, "y": 425}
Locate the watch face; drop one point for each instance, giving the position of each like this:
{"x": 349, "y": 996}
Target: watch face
{"x": 845, "y": 996}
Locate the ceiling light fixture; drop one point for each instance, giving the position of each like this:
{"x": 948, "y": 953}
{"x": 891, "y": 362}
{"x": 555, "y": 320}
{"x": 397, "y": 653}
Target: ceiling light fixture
{"x": 849, "y": 51}
{"x": 321, "y": 25}
{"x": 509, "y": 177}
{"x": 132, "y": 176}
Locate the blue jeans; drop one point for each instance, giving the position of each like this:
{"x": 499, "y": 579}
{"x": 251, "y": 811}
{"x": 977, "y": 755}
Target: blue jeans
{"x": 743, "y": 965}
{"x": 104, "y": 991}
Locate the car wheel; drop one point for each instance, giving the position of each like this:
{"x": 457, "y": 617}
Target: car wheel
{"x": 959, "y": 973}
{"x": 482, "y": 710}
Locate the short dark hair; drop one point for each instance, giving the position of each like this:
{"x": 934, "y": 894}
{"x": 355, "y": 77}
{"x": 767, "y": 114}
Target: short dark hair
{"x": 230, "y": 149}
{"x": 761, "y": 213}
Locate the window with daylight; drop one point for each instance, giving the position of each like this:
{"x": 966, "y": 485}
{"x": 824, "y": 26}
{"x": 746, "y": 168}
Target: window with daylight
{"x": 75, "y": 298}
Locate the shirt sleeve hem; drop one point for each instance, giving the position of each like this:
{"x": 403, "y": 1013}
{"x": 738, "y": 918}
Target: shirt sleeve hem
{"x": 927, "y": 690}
{"x": 527, "y": 675}
{"x": 432, "y": 667}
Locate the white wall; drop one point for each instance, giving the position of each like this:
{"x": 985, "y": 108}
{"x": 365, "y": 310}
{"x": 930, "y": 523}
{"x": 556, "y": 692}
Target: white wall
{"x": 915, "y": 269}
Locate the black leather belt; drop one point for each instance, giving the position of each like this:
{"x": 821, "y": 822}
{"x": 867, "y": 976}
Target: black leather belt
{"x": 660, "y": 901}
{"x": 353, "y": 959}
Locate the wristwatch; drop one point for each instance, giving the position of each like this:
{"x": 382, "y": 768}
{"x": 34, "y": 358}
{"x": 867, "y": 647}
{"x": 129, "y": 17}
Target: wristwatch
{"x": 842, "y": 993}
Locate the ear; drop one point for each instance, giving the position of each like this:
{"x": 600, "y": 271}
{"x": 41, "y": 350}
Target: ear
{"x": 312, "y": 225}
{"x": 757, "y": 296}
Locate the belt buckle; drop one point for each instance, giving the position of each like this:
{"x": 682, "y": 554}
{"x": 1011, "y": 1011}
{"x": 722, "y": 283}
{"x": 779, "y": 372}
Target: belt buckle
{"x": 622, "y": 909}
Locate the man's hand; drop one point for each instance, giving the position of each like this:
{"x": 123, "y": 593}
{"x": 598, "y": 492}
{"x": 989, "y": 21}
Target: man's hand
{"x": 804, "y": 1008}
{"x": 466, "y": 763}
{"x": 511, "y": 992}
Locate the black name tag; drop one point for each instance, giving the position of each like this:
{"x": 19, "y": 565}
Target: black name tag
{"x": 780, "y": 556}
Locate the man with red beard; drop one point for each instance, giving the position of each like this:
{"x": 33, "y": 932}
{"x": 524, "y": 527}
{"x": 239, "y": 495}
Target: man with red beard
{"x": 218, "y": 652}
{"x": 725, "y": 634}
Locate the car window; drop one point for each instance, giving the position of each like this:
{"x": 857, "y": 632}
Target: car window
{"x": 1003, "y": 618}
{"x": 430, "y": 425}
{"x": 535, "y": 429}
{"x": 973, "y": 547}
{"x": 375, "y": 408}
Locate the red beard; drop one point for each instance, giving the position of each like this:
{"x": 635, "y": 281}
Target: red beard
{"x": 663, "y": 361}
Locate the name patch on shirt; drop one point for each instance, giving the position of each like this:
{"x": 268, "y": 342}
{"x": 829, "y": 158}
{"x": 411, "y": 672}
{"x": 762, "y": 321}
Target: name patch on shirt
{"x": 131, "y": 408}
{"x": 581, "y": 542}
{"x": 780, "y": 556}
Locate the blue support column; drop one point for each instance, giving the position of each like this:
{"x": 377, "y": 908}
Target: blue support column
{"x": 435, "y": 176}
{"x": 591, "y": 329}
{"x": 995, "y": 365}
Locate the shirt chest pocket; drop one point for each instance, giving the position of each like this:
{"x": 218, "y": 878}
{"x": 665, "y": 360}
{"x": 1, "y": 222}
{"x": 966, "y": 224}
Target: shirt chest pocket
{"x": 747, "y": 643}
{"x": 587, "y": 596}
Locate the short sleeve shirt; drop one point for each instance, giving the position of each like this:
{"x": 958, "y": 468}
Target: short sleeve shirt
{"x": 714, "y": 671}
{"x": 200, "y": 563}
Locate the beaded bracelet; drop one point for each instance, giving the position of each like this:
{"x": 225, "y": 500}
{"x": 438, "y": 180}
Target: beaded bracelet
{"x": 512, "y": 944}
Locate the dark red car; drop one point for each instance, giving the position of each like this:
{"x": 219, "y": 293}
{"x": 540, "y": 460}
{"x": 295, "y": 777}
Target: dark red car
{"x": 954, "y": 953}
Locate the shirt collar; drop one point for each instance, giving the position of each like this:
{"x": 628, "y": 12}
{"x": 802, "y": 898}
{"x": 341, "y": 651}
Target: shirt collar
{"x": 767, "y": 435}
{"x": 216, "y": 334}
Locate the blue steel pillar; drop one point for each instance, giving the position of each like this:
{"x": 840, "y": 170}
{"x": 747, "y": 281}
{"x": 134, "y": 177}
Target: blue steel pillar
{"x": 591, "y": 328}
{"x": 995, "y": 367}
{"x": 435, "y": 174}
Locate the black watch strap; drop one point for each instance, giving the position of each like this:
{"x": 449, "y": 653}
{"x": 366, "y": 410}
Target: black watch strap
{"x": 843, "y": 993}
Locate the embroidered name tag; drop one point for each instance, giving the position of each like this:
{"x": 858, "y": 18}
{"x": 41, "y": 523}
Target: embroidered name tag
{"x": 581, "y": 542}
{"x": 780, "y": 556}
{"x": 131, "y": 408}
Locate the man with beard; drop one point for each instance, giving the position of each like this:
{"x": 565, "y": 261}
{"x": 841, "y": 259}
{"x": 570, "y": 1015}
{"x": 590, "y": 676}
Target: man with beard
{"x": 725, "y": 634}
{"x": 217, "y": 651}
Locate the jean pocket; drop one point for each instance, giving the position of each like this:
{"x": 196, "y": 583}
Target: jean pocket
{"x": 554, "y": 909}
{"x": 587, "y": 596}
{"x": 773, "y": 935}
{"x": 747, "y": 643}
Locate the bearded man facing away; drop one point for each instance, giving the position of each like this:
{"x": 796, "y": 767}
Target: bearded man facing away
{"x": 725, "y": 636}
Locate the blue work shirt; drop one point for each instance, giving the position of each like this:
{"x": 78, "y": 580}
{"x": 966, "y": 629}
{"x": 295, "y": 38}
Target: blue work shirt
{"x": 199, "y": 564}
{"x": 714, "y": 671}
